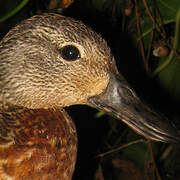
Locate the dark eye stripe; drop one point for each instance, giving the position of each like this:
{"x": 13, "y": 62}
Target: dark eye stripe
{"x": 70, "y": 53}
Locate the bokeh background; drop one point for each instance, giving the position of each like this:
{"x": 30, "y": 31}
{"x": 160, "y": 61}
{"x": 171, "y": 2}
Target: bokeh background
{"x": 144, "y": 39}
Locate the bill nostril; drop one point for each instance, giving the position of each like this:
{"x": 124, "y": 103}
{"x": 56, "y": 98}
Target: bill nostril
{"x": 119, "y": 100}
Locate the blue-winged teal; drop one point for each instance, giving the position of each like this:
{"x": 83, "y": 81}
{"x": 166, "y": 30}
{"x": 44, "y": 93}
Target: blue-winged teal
{"x": 49, "y": 62}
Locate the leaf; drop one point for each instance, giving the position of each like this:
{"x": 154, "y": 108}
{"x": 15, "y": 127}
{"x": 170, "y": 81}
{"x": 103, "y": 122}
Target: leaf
{"x": 168, "y": 10}
{"x": 13, "y": 11}
{"x": 170, "y": 74}
{"x": 170, "y": 78}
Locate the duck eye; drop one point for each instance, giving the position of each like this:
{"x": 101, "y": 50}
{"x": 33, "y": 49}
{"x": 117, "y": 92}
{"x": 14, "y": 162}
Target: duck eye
{"x": 70, "y": 53}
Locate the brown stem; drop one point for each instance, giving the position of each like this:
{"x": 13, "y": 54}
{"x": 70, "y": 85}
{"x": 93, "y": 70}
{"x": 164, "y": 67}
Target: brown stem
{"x": 163, "y": 34}
{"x": 150, "y": 15}
{"x": 153, "y": 160}
{"x": 150, "y": 46}
{"x": 140, "y": 37}
{"x": 121, "y": 147}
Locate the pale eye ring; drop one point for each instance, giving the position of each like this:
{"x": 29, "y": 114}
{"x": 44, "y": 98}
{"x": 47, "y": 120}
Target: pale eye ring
{"x": 70, "y": 53}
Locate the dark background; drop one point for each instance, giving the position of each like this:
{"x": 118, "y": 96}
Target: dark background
{"x": 97, "y": 135}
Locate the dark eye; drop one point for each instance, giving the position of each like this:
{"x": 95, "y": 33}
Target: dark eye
{"x": 70, "y": 53}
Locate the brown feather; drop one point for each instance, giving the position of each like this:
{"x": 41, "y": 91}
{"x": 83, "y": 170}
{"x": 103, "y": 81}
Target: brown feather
{"x": 43, "y": 144}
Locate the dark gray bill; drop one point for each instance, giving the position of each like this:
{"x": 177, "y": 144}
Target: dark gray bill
{"x": 120, "y": 100}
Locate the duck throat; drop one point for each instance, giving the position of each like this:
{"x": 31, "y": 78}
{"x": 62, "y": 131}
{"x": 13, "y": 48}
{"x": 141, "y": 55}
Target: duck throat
{"x": 37, "y": 144}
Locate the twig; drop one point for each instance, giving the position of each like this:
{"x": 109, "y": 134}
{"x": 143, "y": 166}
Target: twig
{"x": 177, "y": 53}
{"x": 140, "y": 37}
{"x": 163, "y": 34}
{"x": 150, "y": 46}
{"x": 166, "y": 152}
{"x": 153, "y": 160}
{"x": 121, "y": 147}
{"x": 150, "y": 15}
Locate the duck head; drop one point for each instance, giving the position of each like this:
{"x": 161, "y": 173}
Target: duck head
{"x": 51, "y": 61}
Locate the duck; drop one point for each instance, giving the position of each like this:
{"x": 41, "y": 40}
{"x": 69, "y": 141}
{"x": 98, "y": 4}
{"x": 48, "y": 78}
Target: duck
{"x": 49, "y": 62}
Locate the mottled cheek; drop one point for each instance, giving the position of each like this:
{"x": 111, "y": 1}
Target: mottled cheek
{"x": 98, "y": 86}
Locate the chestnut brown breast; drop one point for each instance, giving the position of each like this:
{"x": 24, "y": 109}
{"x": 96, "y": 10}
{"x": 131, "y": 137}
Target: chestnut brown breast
{"x": 37, "y": 144}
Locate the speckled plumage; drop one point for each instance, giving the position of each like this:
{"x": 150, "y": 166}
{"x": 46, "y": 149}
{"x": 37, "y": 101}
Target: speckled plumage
{"x": 37, "y": 144}
{"x": 40, "y": 75}
{"x": 37, "y": 138}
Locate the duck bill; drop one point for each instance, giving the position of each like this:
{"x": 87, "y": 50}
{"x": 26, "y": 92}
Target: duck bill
{"x": 120, "y": 101}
